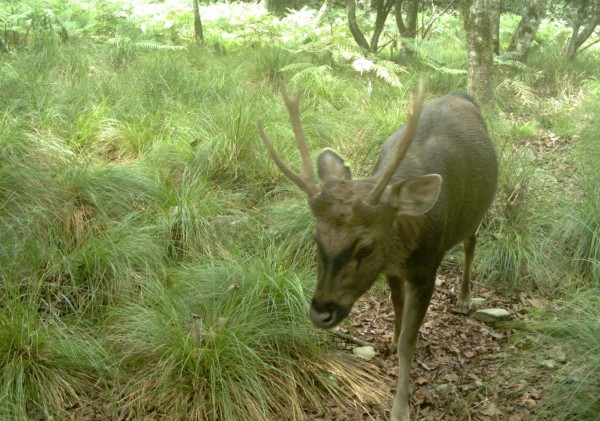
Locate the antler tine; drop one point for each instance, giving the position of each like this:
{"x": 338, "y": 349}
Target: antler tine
{"x": 305, "y": 180}
{"x": 414, "y": 113}
{"x": 293, "y": 108}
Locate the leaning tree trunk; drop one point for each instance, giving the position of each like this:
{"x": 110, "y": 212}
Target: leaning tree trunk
{"x": 198, "y": 33}
{"x": 587, "y": 16}
{"x": 480, "y": 50}
{"x": 528, "y": 26}
{"x": 354, "y": 28}
{"x": 407, "y": 29}
{"x": 383, "y": 8}
{"x": 322, "y": 11}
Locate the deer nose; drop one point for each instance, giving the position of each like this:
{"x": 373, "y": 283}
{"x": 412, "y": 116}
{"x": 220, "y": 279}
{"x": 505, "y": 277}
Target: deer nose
{"x": 325, "y": 314}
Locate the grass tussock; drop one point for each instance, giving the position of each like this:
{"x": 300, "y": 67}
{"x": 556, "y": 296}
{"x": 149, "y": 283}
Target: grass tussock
{"x": 574, "y": 392}
{"x": 514, "y": 243}
{"x": 229, "y": 340}
{"x": 46, "y": 364}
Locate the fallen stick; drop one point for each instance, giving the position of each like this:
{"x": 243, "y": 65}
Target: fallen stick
{"x": 351, "y": 338}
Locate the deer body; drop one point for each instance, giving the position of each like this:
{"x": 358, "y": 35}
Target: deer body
{"x": 452, "y": 141}
{"x": 433, "y": 182}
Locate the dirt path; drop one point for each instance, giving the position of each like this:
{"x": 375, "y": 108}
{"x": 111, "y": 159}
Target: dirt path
{"x": 462, "y": 368}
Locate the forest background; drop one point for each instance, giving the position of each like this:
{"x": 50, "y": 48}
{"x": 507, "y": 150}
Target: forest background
{"x": 152, "y": 257}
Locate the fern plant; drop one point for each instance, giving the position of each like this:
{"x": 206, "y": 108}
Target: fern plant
{"x": 519, "y": 87}
{"x": 125, "y": 45}
{"x": 385, "y": 70}
{"x": 366, "y": 66}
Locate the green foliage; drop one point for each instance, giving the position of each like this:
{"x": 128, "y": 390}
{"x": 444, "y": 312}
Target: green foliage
{"x": 574, "y": 392}
{"x": 121, "y": 166}
{"x": 519, "y": 92}
{"x": 45, "y": 364}
{"x": 291, "y": 225}
{"x": 80, "y": 234}
{"x": 513, "y": 248}
{"x": 135, "y": 197}
{"x": 440, "y": 56}
{"x": 224, "y": 343}
{"x": 580, "y": 230}
{"x": 385, "y": 70}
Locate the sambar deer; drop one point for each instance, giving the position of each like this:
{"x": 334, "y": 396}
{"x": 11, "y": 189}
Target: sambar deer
{"x": 434, "y": 181}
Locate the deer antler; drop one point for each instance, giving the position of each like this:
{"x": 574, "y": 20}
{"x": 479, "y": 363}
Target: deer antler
{"x": 305, "y": 180}
{"x": 414, "y": 112}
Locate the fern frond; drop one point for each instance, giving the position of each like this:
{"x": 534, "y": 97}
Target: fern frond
{"x": 363, "y": 65}
{"x": 508, "y": 59}
{"x": 153, "y": 45}
{"x": 341, "y": 57}
{"x": 437, "y": 56}
{"x": 523, "y": 92}
{"x": 389, "y": 77}
{"x": 385, "y": 70}
{"x": 444, "y": 69}
{"x": 307, "y": 71}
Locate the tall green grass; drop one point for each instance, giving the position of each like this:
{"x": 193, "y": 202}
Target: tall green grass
{"x": 514, "y": 247}
{"x": 572, "y": 325}
{"x": 136, "y": 197}
{"x": 46, "y": 363}
{"x": 580, "y": 230}
{"x": 229, "y": 340}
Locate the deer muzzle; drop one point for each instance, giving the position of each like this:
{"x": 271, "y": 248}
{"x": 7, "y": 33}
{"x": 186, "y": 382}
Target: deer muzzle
{"x": 326, "y": 315}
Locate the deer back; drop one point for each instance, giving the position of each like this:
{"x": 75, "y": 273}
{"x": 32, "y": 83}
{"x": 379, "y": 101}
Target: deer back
{"x": 451, "y": 140}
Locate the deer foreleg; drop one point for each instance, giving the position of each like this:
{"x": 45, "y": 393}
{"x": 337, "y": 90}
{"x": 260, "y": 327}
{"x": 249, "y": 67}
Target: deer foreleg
{"x": 418, "y": 295}
{"x": 397, "y": 292}
{"x": 463, "y": 304}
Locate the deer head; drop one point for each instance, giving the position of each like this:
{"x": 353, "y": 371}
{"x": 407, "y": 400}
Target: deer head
{"x": 355, "y": 218}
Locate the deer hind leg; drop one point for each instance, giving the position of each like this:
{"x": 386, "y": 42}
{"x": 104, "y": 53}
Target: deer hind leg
{"x": 418, "y": 294}
{"x": 397, "y": 292}
{"x": 463, "y": 304}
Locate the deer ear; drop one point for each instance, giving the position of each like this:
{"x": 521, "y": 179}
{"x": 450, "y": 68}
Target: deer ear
{"x": 414, "y": 196}
{"x": 332, "y": 166}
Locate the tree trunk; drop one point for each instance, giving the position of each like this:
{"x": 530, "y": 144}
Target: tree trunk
{"x": 495, "y": 14}
{"x": 354, "y": 29}
{"x": 480, "y": 50}
{"x": 589, "y": 16}
{"x": 528, "y": 26}
{"x": 198, "y": 34}
{"x": 384, "y": 7}
{"x": 383, "y": 10}
{"x": 408, "y": 29}
{"x": 322, "y": 11}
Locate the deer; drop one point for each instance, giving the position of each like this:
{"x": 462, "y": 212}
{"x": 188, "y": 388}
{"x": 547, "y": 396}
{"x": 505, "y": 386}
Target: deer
{"x": 431, "y": 187}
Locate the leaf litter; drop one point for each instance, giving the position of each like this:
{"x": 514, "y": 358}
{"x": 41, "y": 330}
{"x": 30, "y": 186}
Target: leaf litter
{"x": 463, "y": 369}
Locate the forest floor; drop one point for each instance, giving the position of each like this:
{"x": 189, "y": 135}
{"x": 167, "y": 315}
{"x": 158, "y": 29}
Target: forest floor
{"x": 463, "y": 369}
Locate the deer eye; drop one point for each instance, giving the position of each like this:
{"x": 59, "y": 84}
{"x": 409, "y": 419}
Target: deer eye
{"x": 364, "y": 251}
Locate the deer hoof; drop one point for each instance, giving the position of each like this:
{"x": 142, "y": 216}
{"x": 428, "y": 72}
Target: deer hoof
{"x": 462, "y": 308}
